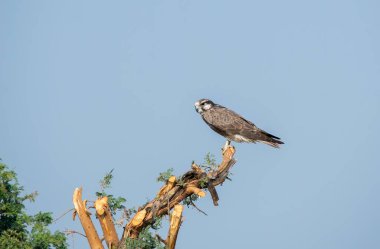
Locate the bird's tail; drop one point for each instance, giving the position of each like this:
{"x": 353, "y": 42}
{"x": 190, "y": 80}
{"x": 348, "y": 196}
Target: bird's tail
{"x": 270, "y": 139}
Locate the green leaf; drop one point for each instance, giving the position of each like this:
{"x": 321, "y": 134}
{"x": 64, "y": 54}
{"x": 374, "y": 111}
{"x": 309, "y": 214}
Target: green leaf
{"x": 18, "y": 230}
{"x": 164, "y": 176}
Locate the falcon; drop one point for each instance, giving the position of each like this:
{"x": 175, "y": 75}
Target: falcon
{"x": 233, "y": 126}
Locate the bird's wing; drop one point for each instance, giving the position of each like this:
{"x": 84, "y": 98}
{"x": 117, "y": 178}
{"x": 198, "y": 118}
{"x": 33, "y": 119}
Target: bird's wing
{"x": 249, "y": 130}
{"x": 223, "y": 119}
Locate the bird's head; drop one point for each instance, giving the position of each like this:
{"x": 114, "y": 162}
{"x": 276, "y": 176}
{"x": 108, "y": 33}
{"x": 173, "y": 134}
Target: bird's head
{"x": 203, "y": 105}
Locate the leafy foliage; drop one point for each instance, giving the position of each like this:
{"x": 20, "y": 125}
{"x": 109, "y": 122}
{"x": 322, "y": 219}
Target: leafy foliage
{"x": 106, "y": 181}
{"x": 190, "y": 199}
{"x": 146, "y": 239}
{"x": 149, "y": 241}
{"x": 18, "y": 229}
{"x": 203, "y": 182}
{"x": 164, "y": 176}
{"x": 115, "y": 203}
{"x": 209, "y": 162}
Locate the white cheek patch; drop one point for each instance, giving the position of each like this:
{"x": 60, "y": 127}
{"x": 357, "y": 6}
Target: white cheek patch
{"x": 207, "y": 106}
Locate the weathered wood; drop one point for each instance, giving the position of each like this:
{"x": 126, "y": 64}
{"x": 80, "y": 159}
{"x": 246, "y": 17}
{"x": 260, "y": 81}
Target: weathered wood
{"x": 105, "y": 219}
{"x": 166, "y": 188}
{"x": 214, "y": 195}
{"x": 89, "y": 229}
{"x": 169, "y": 197}
{"x": 175, "y": 223}
{"x": 190, "y": 183}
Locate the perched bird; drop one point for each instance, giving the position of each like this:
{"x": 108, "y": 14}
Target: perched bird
{"x": 233, "y": 126}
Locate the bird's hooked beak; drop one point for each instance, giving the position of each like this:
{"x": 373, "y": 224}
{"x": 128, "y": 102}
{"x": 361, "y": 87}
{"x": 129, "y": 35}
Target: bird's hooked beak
{"x": 198, "y": 107}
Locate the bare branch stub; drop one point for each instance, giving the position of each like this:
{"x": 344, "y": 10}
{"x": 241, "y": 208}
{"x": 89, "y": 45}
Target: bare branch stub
{"x": 192, "y": 182}
{"x": 88, "y": 226}
{"x": 68, "y": 232}
{"x": 104, "y": 216}
{"x": 175, "y": 223}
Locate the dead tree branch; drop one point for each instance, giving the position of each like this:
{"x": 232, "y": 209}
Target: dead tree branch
{"x": 192, "y": 182}
{"x": 84, "y": 217}
{"x": 175, "y": 223}
{"x": 175, "y": 191}
{"x": 105, "y": 219}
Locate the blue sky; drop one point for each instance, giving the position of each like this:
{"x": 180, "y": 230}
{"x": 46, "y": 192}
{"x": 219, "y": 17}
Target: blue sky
{"x": 90, "y": 86}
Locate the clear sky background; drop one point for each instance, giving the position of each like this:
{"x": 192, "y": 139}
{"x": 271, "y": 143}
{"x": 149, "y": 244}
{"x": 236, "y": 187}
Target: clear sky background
{"x": 90, "y": 86}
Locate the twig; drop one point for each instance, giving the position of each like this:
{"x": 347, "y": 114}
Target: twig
{"x": 68, "y": 232}
{"x": 192, "y": 184}
{"x": 161, "y": 239}
{"x": 71, "y": 209}
{"x": 193, "y": 204}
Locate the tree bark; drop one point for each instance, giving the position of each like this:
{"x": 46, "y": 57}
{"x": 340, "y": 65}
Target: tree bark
{"x": 175, "y": 223}
{"x": 88, "y": 226}
{"x": 190, "y": 183}
{"x": 169, "y": 197}
{"x": 105, "y": 219}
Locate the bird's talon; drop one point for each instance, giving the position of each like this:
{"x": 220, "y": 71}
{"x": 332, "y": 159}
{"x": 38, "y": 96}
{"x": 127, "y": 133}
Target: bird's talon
{"x": 226, "y": 146}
